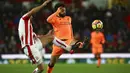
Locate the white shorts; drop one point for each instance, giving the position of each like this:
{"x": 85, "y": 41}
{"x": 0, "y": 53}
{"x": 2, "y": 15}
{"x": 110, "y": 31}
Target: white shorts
{"x": 35, "y": 52}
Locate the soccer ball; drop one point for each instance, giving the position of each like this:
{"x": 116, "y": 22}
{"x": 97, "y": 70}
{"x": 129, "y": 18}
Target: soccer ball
{"x": 97, "y": 24}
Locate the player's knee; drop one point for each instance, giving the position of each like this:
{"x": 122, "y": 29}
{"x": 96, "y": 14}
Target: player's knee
{"x": 40, "y": 67}
{"x": 40, "y": 70}
{"x": 98, "y": 56}
{"x": 51, "y": 65}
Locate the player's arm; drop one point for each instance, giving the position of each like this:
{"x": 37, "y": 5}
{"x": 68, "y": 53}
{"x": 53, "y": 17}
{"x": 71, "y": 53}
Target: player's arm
{"x": 36, "y": 9}
{"x": 72, "y": 34}
{"x": 92, "y": 41}
{"x": 92, "y": 38}
{"x": 103, "y": 39}
{"x": 51, "y": 18}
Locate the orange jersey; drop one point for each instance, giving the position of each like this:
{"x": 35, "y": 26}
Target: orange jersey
{"x": 62, "y": 26}
{"x": 97, "y": 39}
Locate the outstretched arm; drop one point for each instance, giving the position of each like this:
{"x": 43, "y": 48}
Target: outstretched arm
{"x": 36, "y": 9}
{"x": 51, "y": 18}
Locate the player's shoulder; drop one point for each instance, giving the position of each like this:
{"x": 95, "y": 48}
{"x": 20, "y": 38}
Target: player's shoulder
{"x": 101, "y": 33}
{"x": 25, "y": 16}
{"x": 67, "y": 17}
{"x": 93, "y": 32}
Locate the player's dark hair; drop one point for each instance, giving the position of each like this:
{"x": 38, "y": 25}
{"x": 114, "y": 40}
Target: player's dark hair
{"x": 59, "y": 5}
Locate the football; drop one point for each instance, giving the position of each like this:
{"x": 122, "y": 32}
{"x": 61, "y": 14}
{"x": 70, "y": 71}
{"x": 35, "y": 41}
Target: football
{"x": 97, "y": 24}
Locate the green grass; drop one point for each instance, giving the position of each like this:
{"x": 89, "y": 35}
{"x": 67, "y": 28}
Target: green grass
{"x": 68, "y": 68}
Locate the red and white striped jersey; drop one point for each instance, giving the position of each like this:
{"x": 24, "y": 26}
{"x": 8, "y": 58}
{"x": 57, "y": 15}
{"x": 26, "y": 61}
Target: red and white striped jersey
{"x": 25, "y": 30}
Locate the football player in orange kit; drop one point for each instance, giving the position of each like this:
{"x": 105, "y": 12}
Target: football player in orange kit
{"x": 97, "y": 40}
{"x": 62, "y": 30}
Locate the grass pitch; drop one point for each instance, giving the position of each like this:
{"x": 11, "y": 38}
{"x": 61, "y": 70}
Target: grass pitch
{"x": 68, "y": 68}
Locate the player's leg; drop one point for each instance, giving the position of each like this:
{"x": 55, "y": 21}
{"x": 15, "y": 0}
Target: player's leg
{"x": 57, "y": 51}
{"x": 35, "y": 57}
{"x": 98, "y": 60}
{"x": 40, "y": 53}
{"x": 45, "y": 39}
{"x": 73, "y": 44}
{"x": 61, "y": 44}
{"x": 100, "y": 50}
{"x": 94, "y": 52}
{"x": 39, "y": 68}
{"x": 48, "y": 38}
{"x": 96, "y": 55}
{"x": 40, "y": 47}
{"x": 53, "y": 61}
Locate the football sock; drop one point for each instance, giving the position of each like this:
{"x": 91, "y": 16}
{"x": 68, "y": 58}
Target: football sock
{"x": 49, "y": 68}
{"x": 99, "y": 62}
{"x": 37, "y": 71}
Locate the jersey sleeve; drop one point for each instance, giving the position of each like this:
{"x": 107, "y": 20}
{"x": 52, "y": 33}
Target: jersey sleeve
{"x": 92, "y": 38}
{"x": 51, "y": 18}
{"x": 70, "y": 20}
{"x": 25, "y": 17}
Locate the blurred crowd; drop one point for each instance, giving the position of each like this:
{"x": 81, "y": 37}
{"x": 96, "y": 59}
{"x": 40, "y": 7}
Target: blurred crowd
{"x": 116, "y": 24}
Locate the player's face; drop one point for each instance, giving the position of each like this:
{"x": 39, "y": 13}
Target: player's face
{"x": 62, "y": 11}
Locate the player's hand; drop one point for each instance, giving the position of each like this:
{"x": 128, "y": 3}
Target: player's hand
{"x": 58, "y": 10}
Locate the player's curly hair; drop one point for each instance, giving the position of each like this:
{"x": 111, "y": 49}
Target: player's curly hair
{"x": 59, "y": 5}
